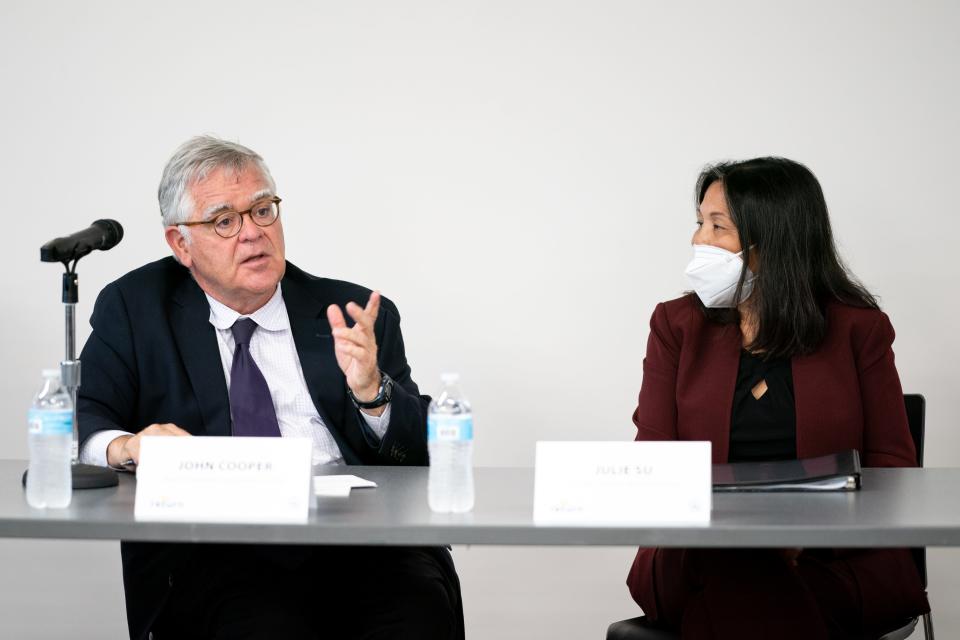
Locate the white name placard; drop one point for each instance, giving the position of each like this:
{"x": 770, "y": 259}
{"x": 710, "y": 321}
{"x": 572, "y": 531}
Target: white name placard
{"x": 224, "y": 479}
{"x": 623, "y": 483}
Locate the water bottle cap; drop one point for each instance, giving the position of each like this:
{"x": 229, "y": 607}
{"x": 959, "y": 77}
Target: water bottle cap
{"x": 50, "y": 373}
{"x": 449, "y": 377}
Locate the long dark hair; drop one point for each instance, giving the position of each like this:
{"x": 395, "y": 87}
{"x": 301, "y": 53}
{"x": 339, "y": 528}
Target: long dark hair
{"x": 778, "y": 208}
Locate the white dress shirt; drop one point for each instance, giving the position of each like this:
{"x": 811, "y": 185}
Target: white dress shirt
{"x": 273, "y": 349}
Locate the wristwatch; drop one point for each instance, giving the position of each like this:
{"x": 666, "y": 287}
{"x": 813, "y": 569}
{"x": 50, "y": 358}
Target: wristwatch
{"x": 384, "y": 393}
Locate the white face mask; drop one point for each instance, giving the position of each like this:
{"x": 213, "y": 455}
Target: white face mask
{"x": 714, "y": 272}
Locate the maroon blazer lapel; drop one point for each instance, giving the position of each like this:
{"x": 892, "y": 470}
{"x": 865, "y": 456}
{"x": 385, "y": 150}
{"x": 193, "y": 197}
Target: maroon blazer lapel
{"x": 705, "y": 388}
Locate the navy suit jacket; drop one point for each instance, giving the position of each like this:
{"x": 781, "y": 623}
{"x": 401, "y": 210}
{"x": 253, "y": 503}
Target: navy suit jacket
{"x": 153, "y": 358}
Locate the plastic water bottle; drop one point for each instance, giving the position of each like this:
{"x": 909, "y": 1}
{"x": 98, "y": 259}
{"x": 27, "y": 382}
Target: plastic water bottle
{"x": 450, "y": 441}
{"x": 50, "y": 438}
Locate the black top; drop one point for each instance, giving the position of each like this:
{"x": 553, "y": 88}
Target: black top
{"x": 763, "y": 428}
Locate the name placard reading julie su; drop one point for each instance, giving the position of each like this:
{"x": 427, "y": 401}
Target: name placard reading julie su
{"x": 623, "y": 483}
{"x": 224, "y": 479}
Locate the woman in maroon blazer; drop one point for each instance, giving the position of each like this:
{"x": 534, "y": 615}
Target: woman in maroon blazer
{"x": 780, "y": 353}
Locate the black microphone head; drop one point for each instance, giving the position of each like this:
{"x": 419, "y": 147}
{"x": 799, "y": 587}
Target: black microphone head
{"x": 102, "y": 235}
{"x": 113, "y": 233}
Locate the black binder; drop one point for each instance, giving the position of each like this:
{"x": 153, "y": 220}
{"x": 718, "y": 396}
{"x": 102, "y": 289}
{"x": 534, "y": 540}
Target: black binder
{"x": 834, "y": 472}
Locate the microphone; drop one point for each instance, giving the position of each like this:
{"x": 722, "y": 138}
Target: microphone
{"x": 102, "y": 235}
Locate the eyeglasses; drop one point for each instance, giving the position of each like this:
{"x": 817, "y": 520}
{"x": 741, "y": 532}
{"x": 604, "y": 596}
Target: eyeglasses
{"x": 228, "y": 224}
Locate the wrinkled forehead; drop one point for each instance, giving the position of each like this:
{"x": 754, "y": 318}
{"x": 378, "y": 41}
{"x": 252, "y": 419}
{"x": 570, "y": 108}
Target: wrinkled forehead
{"x": 229, "y": 188}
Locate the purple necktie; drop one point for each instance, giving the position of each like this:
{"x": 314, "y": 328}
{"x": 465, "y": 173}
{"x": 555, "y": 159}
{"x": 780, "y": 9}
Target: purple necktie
{"x": 251, "y": 406}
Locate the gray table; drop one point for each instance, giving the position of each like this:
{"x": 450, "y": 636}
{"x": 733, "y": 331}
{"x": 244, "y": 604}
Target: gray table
{"x": 897, "y": 507}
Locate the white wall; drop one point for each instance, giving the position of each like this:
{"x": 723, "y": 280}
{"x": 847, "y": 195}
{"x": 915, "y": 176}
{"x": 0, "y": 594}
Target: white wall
{"x": 517, "y": 176}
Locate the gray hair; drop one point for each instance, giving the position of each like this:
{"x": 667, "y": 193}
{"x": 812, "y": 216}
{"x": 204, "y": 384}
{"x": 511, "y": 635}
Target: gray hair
{"x": 193, "y": 161}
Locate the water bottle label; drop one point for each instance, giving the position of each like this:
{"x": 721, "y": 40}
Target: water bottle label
{"x": 50, "y": 423}
{"x": 449, "y": 428}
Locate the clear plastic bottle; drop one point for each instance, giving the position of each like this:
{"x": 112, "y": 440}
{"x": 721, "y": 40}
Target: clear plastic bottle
{"x": 50, "y": 438}
{"x": 450, "y": 442}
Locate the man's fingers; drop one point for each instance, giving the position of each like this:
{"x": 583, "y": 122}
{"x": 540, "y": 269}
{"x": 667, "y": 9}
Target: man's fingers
{"x": 373, "y": 307}
{"x": 356, "y": 312}
{"x": 352, "y": 336}
{"x": 365, "y": 316}
{"x": 131, "y": 448}
{"x": 165, "y": 429}
{"x": 354, "y": 351}
{"x": 174, "y": 430}
{"x": 170, "y": 429}
{"x": 335, "y": 317}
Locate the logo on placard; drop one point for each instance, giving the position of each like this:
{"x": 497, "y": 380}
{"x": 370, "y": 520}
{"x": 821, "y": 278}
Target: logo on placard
{"x": 165, "y": 502}
{"x": 565, "y": 506}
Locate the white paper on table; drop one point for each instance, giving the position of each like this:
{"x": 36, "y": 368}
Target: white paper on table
{"x": 339, "y": 486}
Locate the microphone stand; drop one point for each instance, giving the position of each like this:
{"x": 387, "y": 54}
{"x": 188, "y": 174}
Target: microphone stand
{"x": 84, "y": 476}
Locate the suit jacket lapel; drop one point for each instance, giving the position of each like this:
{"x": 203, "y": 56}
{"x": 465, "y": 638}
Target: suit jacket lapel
{"x": 197, "y": 341}
{"x": 705, "y": 387}
{"x": 729, "y": 343}
{"x": 314, "y": 342}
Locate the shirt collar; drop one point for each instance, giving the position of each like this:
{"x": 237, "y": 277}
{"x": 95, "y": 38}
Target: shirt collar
{"x": 272, "y": 316}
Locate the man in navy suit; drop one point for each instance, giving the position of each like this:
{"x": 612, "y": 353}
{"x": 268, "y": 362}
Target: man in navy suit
{"x": 225, "y": 338}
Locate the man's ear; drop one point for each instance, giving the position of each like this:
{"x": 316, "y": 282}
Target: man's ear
{"x": 179, "y": 245}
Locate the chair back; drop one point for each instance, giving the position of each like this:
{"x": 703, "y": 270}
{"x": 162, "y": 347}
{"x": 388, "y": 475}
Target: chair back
{"x": 916, "y": 409}
{"x": 916, "y": 406}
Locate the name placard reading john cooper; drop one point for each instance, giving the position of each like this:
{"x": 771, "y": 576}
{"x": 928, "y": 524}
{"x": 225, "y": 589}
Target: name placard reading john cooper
{"x": 224, "y": 479}
{"x": 622, "y": 483}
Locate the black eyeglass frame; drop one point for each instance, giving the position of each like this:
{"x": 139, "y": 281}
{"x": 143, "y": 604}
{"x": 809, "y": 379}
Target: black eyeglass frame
{"x": 275, "y": 200}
